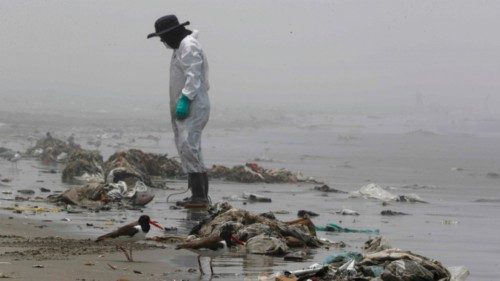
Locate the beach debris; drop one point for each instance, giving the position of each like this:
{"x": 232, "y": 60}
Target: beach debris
{"x": 112, "y": 266}
{"x": 343, "y": 257}
{"x": 134, "y": 164}
{"x": 266, "y": 245}
{"x": 326, "y": 188}
{"x": 380, "y": 264}
{"x": 38, "y": 266}
{"x": 5, "y": 276}
{"x": 262, "y": 234}
{"x": 392, "y": 213}
{"x": 347, "y": 212}
{"x": 493, "y": 175}
{"x": 305, "y": 213}
{"x": 252, "y": 172}
{"x": 6, "y": 153}
{"x": 254, "y": 197}
{"x": 6, "y": 180}
{"x": 83, "y": 166}
{"x": 26, "y": 191}
{"x": 43, "y": 189}
{"x": 137, "y": 271}
{"x": 374, "y": 191}
{"x": 376, "y": 244}
{"x": 296, "y": 256}
{"x": 332, "y": 227}
{"x": 49, "y": 149}
{"x": 89, "y": 263}
{"x": 458, "y": 273}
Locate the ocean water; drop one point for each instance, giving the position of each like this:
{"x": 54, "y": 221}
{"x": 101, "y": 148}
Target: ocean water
{"x": 447, "y": 166}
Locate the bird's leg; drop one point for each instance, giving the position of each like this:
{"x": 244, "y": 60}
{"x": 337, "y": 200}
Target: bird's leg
{"x": 131, "y": 252}
{"x": 125, "y": 252}
{"x": 199, "y": 264}
{"x": 211, "y": 268}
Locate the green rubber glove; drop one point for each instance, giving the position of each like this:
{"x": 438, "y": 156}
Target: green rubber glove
{"x": 182, "y": 107}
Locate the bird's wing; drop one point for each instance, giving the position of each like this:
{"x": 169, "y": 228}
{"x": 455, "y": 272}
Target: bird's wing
{"x": 209, "y": 243}
{"x": 126, "y": 230}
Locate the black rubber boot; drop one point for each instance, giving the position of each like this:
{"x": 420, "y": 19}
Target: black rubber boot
{"x": 199, "y": 198}
{"x": 205, "y": 182}
{"x": 190, "y": 186}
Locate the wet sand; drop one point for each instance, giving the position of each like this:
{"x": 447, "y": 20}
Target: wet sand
{"x": 30, "y": 253}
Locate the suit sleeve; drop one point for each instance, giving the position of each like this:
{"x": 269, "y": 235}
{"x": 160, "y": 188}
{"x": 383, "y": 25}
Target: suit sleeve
{"x": 192, "y": 63}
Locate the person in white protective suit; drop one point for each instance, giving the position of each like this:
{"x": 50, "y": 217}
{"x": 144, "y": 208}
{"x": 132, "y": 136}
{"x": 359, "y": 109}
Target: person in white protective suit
{"x": 189, "y": 102}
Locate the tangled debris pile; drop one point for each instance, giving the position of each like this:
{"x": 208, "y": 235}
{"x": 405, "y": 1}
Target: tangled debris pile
{"x": 263, "y": 234}
{"x": 128, "y": 176}
{"x": 52, "y": 150}
{"x": 379, "y": 262}
{"x": 83, "y": 165}
{"x": 252, "y": 172}
{"x": 133, "y": 164}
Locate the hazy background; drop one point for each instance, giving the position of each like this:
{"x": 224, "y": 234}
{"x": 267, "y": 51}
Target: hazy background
{"x": 93, "y": 56}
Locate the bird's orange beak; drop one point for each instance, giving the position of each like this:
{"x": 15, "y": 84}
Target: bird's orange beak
{"x": 155, "y": 223}
{"x": 236, "y": 240}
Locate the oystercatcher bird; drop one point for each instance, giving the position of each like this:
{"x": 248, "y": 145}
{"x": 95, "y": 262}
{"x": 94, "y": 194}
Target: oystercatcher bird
{"x": 212, "y": 246}
{"x": 130, "y": 233}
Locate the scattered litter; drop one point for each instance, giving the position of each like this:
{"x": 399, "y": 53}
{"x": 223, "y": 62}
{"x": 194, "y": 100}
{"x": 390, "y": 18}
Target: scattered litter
{"x": 252, "y": 172}
{"x": 392, "y": 213}
{"x": 26, "y": 191}
{"x": 347, "y": 212}
{"x": 296, "y": 256}
{"x": 449, "y": 222}
{"x": 253, "y": 197}
{"x": 373, "y": 191}
{"x": 458, "y": 273}
{"x": 343, "y": 257}
{"x": 493, "y": 175}
{"x": 43, "y": 189}
{"x": 326, "y": 188}
{"x": 305, "y": 213}
{"x": 337, "y": 228}
{"x": 112, "y": 266}
{"x": 3, "y": 275}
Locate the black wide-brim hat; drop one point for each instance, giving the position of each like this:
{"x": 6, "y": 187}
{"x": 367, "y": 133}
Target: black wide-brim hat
{"x": 166, "y": 24}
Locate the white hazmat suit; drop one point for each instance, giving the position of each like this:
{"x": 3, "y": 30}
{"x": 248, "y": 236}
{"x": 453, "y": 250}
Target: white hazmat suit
{"x": 189, "y": 77}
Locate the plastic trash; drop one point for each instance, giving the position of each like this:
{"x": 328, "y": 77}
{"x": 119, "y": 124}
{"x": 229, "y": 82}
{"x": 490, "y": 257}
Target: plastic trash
{"x": 253, "y": 197}
{"x": 458, "y": 273}
{"x": 343, "y": 257}
{"x": 337, "y": 228}
{"x": 374, "y": 191}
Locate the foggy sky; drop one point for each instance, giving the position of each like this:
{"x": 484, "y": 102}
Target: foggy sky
{"x": 311, "y": 53}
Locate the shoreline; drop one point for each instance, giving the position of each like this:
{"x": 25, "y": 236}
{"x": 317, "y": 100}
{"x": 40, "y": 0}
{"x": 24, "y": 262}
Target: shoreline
{"x": 31, "y": 253}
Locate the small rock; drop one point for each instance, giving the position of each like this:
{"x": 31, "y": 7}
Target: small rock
{"x": 39, "y": 266}
{"x": 89, "y": 263}
{"x": 137, "y": 272}
{"x": 6, "y": 180}
{"x": 43, "y": 189}
{"x": 191, "y": 270}
{"x": 20, "y": 198}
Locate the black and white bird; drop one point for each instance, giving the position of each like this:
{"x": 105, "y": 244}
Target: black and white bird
{"x": 130, "y": 233}
{"x": 212, "y": 246}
